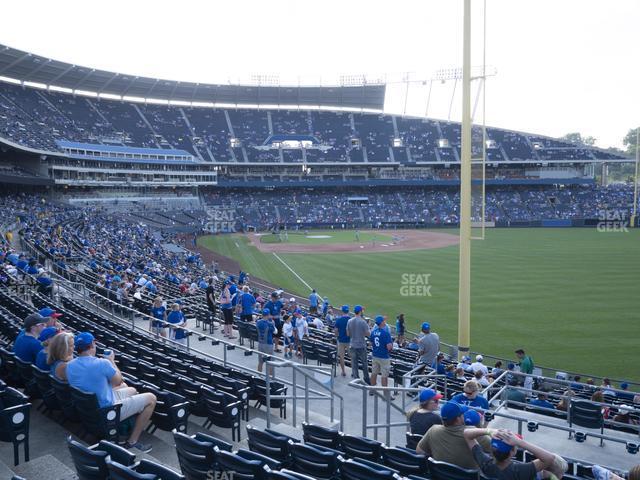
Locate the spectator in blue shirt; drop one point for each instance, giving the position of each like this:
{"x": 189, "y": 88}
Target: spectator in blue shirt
{"x": 102, "y": 377}
{"x": 177, "y": 320}
{"x": 381, "y": 345}
{"x": 159, "y": 314}
{"x": 275, "y": 305}
{"x": 470, "y": 396}
{"x": 400, "y": 330}
{"x": 27, "y": 345}
{"x": 340, "y": 330}
{"x": 246, "y": 305}
{"x": 266, "y": 330}
{"x": 541, "y": 402}
{"x": 45, "y": 336}
{"x": 438, "y": 364}
{"x": 314, "y": 300}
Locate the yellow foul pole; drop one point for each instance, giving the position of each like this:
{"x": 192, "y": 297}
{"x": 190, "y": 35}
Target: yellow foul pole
{"x": 464, "y": 285}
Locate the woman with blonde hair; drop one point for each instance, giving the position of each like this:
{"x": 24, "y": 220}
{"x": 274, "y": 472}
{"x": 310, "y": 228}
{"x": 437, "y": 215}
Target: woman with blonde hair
{"x": 563, "y": 404}
{"x": 60, "y": 353}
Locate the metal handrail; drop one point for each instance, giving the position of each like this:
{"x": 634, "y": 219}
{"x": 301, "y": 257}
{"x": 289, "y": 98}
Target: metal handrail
{"x": 303, "y": 369}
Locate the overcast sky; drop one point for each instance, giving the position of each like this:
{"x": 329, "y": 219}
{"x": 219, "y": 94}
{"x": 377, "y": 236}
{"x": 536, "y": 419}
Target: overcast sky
{"x": 562, "y": 66}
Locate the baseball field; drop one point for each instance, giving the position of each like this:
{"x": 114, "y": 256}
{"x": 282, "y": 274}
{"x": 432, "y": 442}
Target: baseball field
{"x": 567, "y": 296}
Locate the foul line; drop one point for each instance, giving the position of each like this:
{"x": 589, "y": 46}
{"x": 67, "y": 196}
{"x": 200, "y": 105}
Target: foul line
{"x": 292, "y": 271}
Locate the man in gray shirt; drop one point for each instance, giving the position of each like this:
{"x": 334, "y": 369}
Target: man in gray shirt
{"x": 429, "y": 345}
{"x": 358, "y": 331}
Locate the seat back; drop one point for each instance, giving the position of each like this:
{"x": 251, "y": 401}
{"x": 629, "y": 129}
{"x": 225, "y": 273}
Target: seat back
{"x": 62, "y": 392}
{"x": 101, "y": 422}
{"x": 413, "y": 440}
{"x": 312, "y": 461}
{"x": 449, "y": 471}
{"x": 404, "y": 460}
{"x": 117, "y": 471}
{"x": 242, "y": 468}
{"x": 161, "y": 472}
{"x": 268, "y": 444}
{"x": 90, "y": 464}
{"x": 360, "y": 447}
{"x": 326, "y": 437}
{"x": 197, "y": 458}
{"x": 353, "y": 470}
{"x": 586, "y": 414}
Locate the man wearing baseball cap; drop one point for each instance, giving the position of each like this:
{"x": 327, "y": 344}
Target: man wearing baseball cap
{"x": 381, "y": 345}
{"x": 102, "y": 377}
{"x": 504, "y": 445}
{"x": 424, "y": 417}
{"x": 27, "y": 345}
{"x": 428, "y": 345}
{"x": 340, "y": 329}
{"x": 266, "y": 330}
{"x": 358, "y": 332}
{"x": 447, "y": 443}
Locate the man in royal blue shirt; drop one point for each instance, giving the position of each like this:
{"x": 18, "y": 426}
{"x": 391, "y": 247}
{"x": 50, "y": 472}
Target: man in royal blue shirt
{"x": 266, "y": 330}
{"x": 340, "y": 330}
{"x": 27, "y": 345}
{"x": 246, "y": 305}
{"x": 275, "y": 306}
{"x": 381, "y": 345}
{"x": 470, "y": 396}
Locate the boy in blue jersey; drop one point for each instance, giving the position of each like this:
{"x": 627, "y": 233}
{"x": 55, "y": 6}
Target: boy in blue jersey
{"x": 266, "y": 330}
{"x": 340, "y": 330}
{"x": 381, "y": 345}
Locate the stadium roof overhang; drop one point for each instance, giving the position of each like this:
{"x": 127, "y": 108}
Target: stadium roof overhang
{"x": 27, "y": 67}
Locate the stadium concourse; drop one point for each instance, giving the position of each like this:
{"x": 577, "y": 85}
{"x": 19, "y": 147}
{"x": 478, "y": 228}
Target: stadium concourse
{"x": 129, "y": 287}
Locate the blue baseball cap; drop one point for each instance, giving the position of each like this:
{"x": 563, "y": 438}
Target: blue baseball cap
{"x": 501, "y": 446}
{"x": 426, "y": 326}
{"x": 472, "y": 418}
{"x": 49, "y": 312}
{"x": 266, "y": 311}
{"x": 83, "y": 340}
{"x": 298, "y": 311}
{"x": 452, "y": 410}
{"x": 379, "y": 319}
{"x": 429, "y": 394}
{"x": 47, "y": 333}
{"x": 624, "y": 385}
{"x": 345, "y": 308}
{"x": 358, "y": 308}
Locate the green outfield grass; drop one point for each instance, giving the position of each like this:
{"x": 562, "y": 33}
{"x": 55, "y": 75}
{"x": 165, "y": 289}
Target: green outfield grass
{"x": 334, "y": 236}
{"x": 568, "y": 296}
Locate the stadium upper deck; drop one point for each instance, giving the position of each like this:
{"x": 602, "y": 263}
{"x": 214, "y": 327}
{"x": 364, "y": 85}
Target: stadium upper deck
{"x": 39, "y": 119}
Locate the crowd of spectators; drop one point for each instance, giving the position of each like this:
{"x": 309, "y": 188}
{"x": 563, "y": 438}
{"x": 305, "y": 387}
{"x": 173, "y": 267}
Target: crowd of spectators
{"x": 264, "y": 209}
